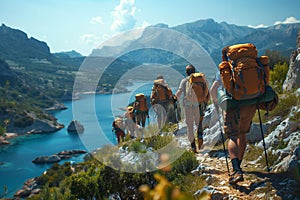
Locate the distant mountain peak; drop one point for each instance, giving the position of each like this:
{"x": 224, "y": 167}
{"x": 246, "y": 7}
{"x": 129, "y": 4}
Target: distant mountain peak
{"x": 71, "y": 54}
{"x": 161, "y": 25}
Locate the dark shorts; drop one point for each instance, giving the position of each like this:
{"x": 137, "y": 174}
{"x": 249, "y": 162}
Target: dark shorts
{"x": 238, "y": 120}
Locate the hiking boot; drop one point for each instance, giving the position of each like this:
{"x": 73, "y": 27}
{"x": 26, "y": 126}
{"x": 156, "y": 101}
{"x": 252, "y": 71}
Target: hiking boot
{"x": 236, "y": 177}
{"x": 193, "y": 147}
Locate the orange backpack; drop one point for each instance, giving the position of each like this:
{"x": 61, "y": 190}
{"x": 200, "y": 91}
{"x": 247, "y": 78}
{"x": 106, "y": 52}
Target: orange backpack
{"x": 140, "y": 103}
{"x": 160, "y": 93}
{"x": 197, "y": 89}
{"x": 244, "y": 75}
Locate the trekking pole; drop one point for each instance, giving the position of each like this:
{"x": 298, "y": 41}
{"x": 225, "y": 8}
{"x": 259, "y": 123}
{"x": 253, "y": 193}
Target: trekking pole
{"x": 223, "y": 140}
{"x": 263, "y": 139}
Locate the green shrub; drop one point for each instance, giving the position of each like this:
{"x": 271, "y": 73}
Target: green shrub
{"x": 278, "y": 75}
{"x": 137, "y": 147}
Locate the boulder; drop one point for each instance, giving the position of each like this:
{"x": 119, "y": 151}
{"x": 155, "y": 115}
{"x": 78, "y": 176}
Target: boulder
{"x": 40, "y": 159}
{"x": 53, "y": 158}
{"x": 255, "y": 134}
{"x": 75, "y": 127}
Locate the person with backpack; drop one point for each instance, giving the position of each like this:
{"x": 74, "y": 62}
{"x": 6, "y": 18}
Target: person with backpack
{"x": 195, "y": 98}
{"x": 162, "y": 101}
{"x": 141, "y": 111}
{"x": 130, "y": 124}
{"x": 244, "y": 77}
{"x": 118, "y": 129}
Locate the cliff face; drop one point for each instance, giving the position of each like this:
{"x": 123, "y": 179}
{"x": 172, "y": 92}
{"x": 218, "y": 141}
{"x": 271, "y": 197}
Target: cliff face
{"x": 292, "y": 80}
{"x": 15, "y": 45}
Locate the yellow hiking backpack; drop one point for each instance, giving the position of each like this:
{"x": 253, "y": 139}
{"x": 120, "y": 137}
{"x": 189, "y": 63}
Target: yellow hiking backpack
{"x": 161, "y": 93}
{"x": 243, "y": 74}
{"x": 197, "y": 89}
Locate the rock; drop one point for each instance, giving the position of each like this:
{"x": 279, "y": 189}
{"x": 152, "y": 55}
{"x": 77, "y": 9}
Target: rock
{"x": 4, "y": 142}
{"x": 46, "y": 159}
{"x": 22, "y": 193}
{"x": 71, "y": 152}
{"x": 40, "y": 159}
{"x": 53, "y": 159}
{"x": 210, "y": 117}
{"x": 75, "y": 127}
{"x": 292, "y": 80}
{"x": 297, "y": 153}
{"x": 66, "y": 154}
{"x": 56, "y": 107}
{"x": 255, "y": 134}
{"x": 36, "y": 191}
{"x": 274, "y": 122}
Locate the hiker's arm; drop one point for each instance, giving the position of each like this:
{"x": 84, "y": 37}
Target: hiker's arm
{"x": 180, "y": 90}
{"x": 213, "y": 91}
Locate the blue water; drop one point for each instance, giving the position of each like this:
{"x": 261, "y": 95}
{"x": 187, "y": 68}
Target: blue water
{"x": 95, "y": 112}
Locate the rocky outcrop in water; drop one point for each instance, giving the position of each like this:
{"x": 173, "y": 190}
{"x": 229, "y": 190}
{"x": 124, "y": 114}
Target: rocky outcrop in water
{"x": 57, "y": 157}
{"x": 75, "y": 127}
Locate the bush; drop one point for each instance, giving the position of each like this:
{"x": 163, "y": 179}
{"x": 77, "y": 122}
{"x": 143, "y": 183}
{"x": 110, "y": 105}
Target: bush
{"x": 278, "y": 75}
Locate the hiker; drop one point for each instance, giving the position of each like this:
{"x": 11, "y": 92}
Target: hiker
{"x": 238, "y": 118}
{"x": 141, "y": 110}
{"x": 162, "y": 101}
{"x": 118, "y": 129}
{"x": 130, "y": 124}
{"x": 195, "y": 98}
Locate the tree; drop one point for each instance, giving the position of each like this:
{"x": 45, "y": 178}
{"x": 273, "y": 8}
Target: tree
{"x": 278, "y": 75}
{"x": 276, "y": 57}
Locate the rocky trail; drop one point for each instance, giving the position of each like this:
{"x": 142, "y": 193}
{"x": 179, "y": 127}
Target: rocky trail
{"x": 257, "y": 184}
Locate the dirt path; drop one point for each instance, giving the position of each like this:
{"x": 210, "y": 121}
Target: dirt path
{"x": 258, "y": 183}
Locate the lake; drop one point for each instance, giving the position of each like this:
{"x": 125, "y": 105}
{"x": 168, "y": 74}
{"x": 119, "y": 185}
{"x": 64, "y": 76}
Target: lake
{"x": 95, "y": 112}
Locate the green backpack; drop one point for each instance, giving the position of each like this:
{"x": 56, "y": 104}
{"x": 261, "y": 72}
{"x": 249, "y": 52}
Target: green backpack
{"x": 266, "y": 101}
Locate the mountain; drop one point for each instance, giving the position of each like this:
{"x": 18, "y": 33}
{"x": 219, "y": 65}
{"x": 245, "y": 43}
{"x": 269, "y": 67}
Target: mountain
{"x": 6, "y": 74}
{"x": 212, "y": 36}
{"x": 71, "y": 54}
{"x": 15, "y": 45}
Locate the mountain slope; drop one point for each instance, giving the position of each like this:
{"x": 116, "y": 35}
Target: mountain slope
{"x": 15, "y": 45}
{"x": 212, "y": 36}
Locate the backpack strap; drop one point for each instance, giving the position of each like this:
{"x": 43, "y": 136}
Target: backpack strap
{"x": 263, "y": 68}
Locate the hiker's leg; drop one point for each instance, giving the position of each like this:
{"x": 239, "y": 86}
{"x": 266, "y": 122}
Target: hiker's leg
{"x": 144, "y": 115}
{"x": 231, "y": 129}
{"x": 200, "y": 132}
{"x": 137, "y": 118}
{"x": 241, "y": 143}
{"x": 189, "y": 123}
{"x": 246, "y": 115}
{"x": 190, "y": 126}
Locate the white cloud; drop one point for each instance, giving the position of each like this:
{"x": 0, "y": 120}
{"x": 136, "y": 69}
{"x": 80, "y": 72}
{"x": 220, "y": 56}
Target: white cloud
{"x": 288, "y": 20}
{"x": 258, "y": 26}
{"x": 96, "y": 20}
{"x": 91, "y": 39}
{"x": 124, "y": 16}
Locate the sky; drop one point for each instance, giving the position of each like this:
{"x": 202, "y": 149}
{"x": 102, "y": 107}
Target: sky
{"x": 82, "y": 25}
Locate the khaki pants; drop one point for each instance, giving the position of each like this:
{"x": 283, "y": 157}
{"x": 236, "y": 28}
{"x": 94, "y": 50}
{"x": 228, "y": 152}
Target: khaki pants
{"x": 193, "y": 118}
